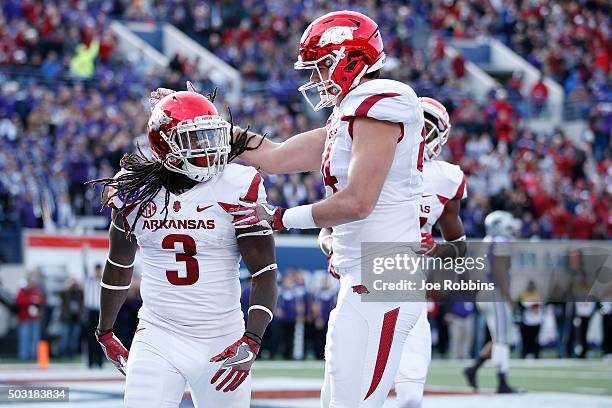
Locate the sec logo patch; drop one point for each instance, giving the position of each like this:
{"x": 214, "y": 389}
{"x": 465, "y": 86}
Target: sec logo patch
{"x": 150, "y": 210}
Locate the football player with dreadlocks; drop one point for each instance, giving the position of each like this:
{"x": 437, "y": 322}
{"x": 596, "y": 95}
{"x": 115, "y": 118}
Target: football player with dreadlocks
{"x": 176, "y": 208}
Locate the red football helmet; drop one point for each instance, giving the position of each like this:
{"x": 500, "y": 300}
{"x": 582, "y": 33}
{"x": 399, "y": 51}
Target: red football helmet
{"x": 348, "y": 44}
{"x": 437, "y": 126}
{"x": 188, "y": 136}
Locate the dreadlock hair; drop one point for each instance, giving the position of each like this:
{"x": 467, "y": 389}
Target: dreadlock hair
{"x": 212, "y": 96}
{"x": 240, "y": 143}
{"x": 139, "y": 185}
{"x": 144, "y": 177}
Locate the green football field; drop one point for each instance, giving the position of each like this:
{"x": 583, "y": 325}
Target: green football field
{"x": 574, "y": 376}
{"x": 550, "y": 383}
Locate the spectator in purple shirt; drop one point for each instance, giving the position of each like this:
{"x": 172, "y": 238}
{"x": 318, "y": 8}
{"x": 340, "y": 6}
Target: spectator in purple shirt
{"x": 286, "y": 315}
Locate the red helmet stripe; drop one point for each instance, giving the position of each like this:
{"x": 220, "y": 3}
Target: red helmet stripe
{"x": 435, "y": 103}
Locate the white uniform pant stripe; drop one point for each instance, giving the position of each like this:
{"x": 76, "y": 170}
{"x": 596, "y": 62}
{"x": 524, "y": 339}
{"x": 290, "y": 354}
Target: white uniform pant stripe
{"x": 359, "y": 367}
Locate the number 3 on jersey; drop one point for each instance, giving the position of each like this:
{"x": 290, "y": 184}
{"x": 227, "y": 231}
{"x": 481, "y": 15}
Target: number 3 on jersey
{"x": 187, "y": 256}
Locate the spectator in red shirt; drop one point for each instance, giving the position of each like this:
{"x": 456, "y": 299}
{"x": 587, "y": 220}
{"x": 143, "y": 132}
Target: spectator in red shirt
{"x": 458, "y": 63}
{"x": 559, "y": 218}
{"x": 30, "y": 301}
{"x": 501, "y": 104}
{"x": 539, "y": 96}
{"x": 542, "y": 201}
{"x": 583, "y": 223}
{"x": 107, "y": 46}
{"x": 504, "y": 128}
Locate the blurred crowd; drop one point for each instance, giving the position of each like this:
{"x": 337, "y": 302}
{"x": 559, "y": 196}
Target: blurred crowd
{"x": 568, "y": 40}
{"x": 70, "y": 105}
{"x": 65, "y": 313}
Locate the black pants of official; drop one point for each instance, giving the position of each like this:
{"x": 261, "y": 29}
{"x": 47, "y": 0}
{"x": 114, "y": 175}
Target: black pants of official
{"x": 581, "y": 337}
{"x": 529, "y": 335}
{"x": 607, "y": 334}
{"x": 287, "y": 331}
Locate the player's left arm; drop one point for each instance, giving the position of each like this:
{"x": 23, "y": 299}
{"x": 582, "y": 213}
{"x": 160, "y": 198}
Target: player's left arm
{"x": 451, "y": 226}
{"x": 115, "y": 283}
{"x": 374, "y": 144}
{"x": 256, "y": 245}
{"x": 325, "y": 241}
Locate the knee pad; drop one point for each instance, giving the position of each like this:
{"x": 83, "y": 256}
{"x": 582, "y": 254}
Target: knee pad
{"x": 409, "y": 394}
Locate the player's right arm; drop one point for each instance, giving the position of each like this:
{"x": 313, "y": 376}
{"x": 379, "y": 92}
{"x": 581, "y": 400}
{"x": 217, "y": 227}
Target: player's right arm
{"x": 452, "y": 230}
{"x": 300, "y": 153}
{"x": 115, "y": 283}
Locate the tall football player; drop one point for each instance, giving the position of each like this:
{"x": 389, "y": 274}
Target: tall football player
{"x": 175, "y": 209}
{"x": 445, "y": 187}
{"x": 370, "y": 153}
{"x": 501, "y": 228}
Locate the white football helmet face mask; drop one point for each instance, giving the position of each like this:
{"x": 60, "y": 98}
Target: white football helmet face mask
{"x": 326, "y": 88}
{"x": 437, "y": 127}
{"x": 199, "y": 148}
{"x": 502, "y": 223}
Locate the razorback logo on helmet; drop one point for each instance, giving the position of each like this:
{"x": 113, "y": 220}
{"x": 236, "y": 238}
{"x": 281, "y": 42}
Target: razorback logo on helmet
{"x": 158, "y": 119}
{"x": 336, "y": 35}
{"x": 150, "y": 210}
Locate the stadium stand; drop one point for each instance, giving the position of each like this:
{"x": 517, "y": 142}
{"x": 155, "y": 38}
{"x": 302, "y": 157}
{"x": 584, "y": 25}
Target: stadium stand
{"x": 70, "y": 106}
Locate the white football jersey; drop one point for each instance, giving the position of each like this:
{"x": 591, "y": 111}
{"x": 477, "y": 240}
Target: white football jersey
{"x": 396, "y": 215}
{"x": 442, "y": 182}
{"x": 190, "y": 279}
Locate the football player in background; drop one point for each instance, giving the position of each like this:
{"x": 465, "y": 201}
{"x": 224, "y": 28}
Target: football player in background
{"x": 174, "y": 207}
{"x": 501, "y": 228}
{"x": 370, "y": 153}
{"x": 445, "y": 187}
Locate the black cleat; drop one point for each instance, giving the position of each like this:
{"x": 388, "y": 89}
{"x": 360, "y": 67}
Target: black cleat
{"x": 506, "y": 389}
{"x": 470, "y": 376}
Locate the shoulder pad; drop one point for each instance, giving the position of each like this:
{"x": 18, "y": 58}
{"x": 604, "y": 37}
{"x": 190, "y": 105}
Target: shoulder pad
{"x": 383, "y": 99}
